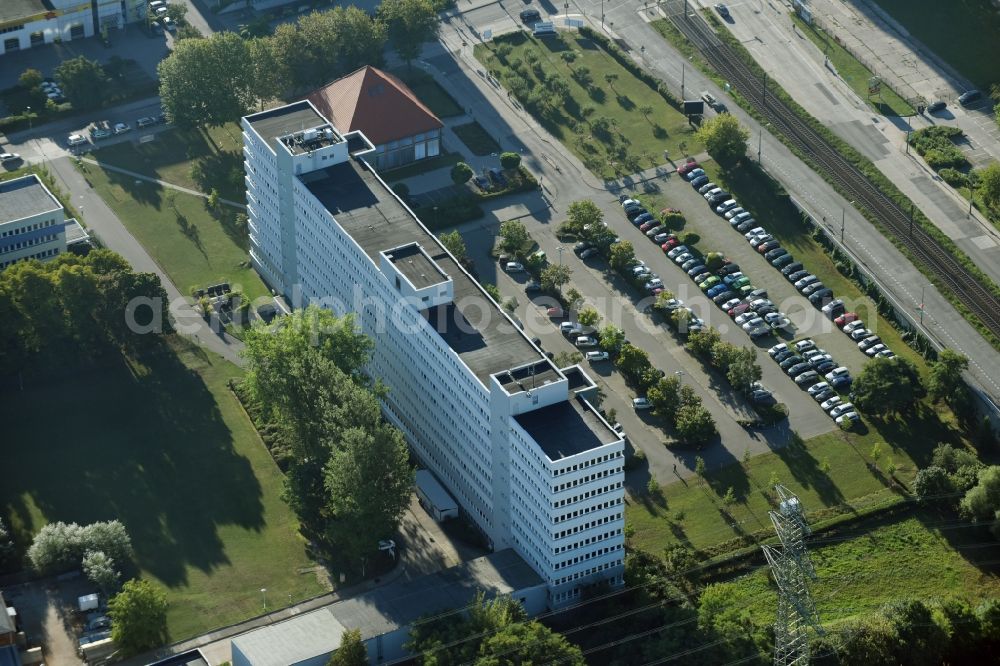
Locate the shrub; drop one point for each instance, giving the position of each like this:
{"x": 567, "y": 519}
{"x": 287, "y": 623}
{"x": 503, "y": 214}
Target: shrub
{"x": 61, "y": 547}
{"x": 954, "y": 177}
{"x": 674, "y": 220}
{"x": 690, "y": 238}
{"x": 138, "y": 617}
{"x": 100, "y": 570}
{"x": 510, "y": 160}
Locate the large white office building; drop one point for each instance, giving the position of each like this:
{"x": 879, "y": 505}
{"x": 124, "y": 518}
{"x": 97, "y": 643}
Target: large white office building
{"x": 510, "y": 435}
{"x": 32, "y": 222}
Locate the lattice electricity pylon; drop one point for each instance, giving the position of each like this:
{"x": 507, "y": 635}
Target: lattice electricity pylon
{"x": 797, "y": 618}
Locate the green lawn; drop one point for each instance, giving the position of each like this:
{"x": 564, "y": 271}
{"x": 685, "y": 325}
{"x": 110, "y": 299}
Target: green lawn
{"x": 964, "y": 34}
{"x": 216, "y": 151}
{"x": 477, "y": 139}
{"x": 430, "y": 92}
{"x": 163, "y": 446}
{"x": 854, "y": 73}
{"x": 633, "y": 140}
{"x": 195, "y": 247}
{"x": 911, "y": 558}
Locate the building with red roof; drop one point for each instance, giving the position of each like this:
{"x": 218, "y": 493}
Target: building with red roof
{"x": 380, "y": 105}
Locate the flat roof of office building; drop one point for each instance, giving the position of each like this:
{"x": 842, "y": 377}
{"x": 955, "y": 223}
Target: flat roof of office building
{"x": 24, "y": 197}
{"x": 285, "y": 120}
{"x": 12, "y": 10}
{"x": 567, "y": 428}
{"x": 416, "y": 266}
{"x": 377, "y": 221}
{"x": 386, "y": 609}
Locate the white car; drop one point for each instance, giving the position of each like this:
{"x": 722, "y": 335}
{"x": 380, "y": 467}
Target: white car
{"x": 804, "y": 345}
{"x": 875, "y": 349}
{"x": 841, "y": 409}
{"x": 754, "y": 323}
{"x": 832, "y": 305}
{"x": 673, "y": 304}
{"x": 514, "y": 267}
{"x": 853, "y": 326}
{"x": 680, "y": 249}
{"x": 568, "y": 327}
{"x": 76, "y": 140}
{"x": 777, "y": 349}
{"x": 805, "y": 282}
{"x": 827, "y": 405}
{"x": 9, "y": 157}
{"x": 885, "y": 353}
{"x": 733, "y": 212}
{"x": 818, "y": 388}
{"x": 712, "y": 192}
{"x": 725, "y": 205}
{"x": 837, "y": 372}
{"x": 682, "y": 257}
{"x": 868, "y": 342}
{"x": 745, "y": 317}
{"x": 779, "y": 322}
{"x": 594, "y": 356}
{"x": 586, "y": 341}
{"x": 730, "y": 304}
{"x": 849, "y": 416}
{"x": 641, "y": 403}
{"x": 860, "y": 334}
{"x": 756, "y": 231}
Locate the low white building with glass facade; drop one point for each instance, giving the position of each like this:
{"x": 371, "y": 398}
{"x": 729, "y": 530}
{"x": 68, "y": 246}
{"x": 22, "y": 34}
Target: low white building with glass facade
{"x": 32, "y": 222}
{"x": 28, "y": 23}
{"x": 514, "y": 438}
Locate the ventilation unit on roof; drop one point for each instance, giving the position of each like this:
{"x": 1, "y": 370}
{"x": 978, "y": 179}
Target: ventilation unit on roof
{"x": 310, "y": 135}
{"x": 328, "y": 133}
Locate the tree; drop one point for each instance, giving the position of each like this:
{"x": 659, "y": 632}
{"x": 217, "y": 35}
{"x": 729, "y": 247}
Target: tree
{"x": 714, "y": 261}
{"x": 83, "y": 80}
{"x": 266, "y": 81}
{"x": 30, "y": 79}
{"x": 622, "y": 256}
{"x": 744, "y": 369}
{"x": 611, "y": 338}
{"x": 177, "y": 12}
{"x": 588, "y": 316}
{"x": 730, "y": 497}
{"x": 694, "y": 424}
{"x": 352, "y": 650}
{"x": 60, "y": 547}
{"x": 555, "y": 276}
{"x": 528, "y": 643}
{"x": 461, "y": 173}
{"x": 665, "y": 397}
{"x": 510, "y": 160}
{"x": 410, "y": 23}
{"x": 584, "y": 213}
{"x": 703, "y": 342}
{"x": 962, "y": 466}
{"x": 573, "y": 298}
{"x": 982, "y": 501}
{"x": 493, "y": 291}
{"x": 208, "y": 81}
{"x": 944, "y": 381}
{"x": 888, "y": 385}
{"x": 631, "y": 361}
{"x": 100, "y": 570}
{"x": 931, "y": 482}
{"x": 369, "y": 479}
{"x": 989, "y": 183}
{"x": 513, "y": 237}
{"x": 455, "y": 244}
{"x": 138, "y": 617}
{"x": 724, "y": 137}
{"x": 7, "y": 562}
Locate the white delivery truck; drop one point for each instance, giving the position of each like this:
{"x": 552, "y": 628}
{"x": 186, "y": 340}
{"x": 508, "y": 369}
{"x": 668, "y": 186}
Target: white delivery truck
{"x": 434, "y": 498}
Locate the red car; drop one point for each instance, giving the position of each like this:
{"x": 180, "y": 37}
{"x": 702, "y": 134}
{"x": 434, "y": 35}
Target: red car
{"x": 845, "y": 319}
{"x": 739, "y": 309}
{"x": 670, "y": 244}
{"x": 687, "y": 166}
{"x": 646, "y": 226}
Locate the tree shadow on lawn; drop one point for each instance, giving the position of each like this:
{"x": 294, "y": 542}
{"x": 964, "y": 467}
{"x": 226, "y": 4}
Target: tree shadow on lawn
{"x": 977, "y": 545}
{"x": 142, "y": 191}
{"x": 916, "y": 433}
{"x": 806, "y": 471}
{"x": 221, "y": 171}
{"x": 152, "y": 451}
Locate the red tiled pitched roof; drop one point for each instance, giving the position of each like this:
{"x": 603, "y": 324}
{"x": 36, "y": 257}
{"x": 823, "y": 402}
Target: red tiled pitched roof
{"x": 375, "y": 102}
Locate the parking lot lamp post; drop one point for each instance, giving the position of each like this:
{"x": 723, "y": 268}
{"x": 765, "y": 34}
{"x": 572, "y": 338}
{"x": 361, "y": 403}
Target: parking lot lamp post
{"x": 560, "y": 254}
{"x": 28, "y": 109}
{"x": 263, "y": 596}
{"x": 921, "y": 308}
{"x": 843, "y": 221}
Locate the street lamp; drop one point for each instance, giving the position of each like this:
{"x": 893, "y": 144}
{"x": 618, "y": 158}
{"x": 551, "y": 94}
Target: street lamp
{"x": 602, "y": 14}
{"x": 921, "y": 307}
{"x": 263, "y": 596}
{"x": 760, "y": 140}
{"x": 29, "y": 118}
{"x": 560, "y": 249}
{"x": 843, "y": 220}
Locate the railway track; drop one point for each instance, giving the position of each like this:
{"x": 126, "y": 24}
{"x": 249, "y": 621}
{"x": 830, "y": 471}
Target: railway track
{"x": 850, "y": 180}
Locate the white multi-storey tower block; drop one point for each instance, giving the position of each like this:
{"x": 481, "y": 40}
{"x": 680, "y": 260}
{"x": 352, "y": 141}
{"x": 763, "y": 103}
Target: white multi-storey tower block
{"x": 511, "y": 436}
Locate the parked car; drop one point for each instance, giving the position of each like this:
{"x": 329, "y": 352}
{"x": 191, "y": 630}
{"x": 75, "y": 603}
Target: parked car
{"x": 810, "y": 288}
{"x": 849, "y": 417}
{"x": 555, "y": 312}
{"x": 641, "y": 403}
{"x": 514, "y": 267}
{"x": 838, "y": 372}
{"x": 842, "y": 408}
{"x": 806, "y": 378}
{"x": 820, "y": 295}
{"x": 121, "y": 128}
{"x": 804, "y": 282}
{"x": 725, "y": 297}
{"x": 875, "y": 349}
{"x": 691, "y": 174}
{"x": 782, "y": 260}
{"x": 588, "y": 253}
{"x": 145, "y": 121}
{"x": 777, "y": 349}
{"x": 936, "y": 107}
{"x": 595, "y": 356}
{"x": 707, "y": 187}
{"x": 532, "y": 286}
{"x": 868, "y": 342}
{"x": 845, "y": 319}
{"x": 725, "y": 205}
{"x": 9, "y": 158}
{"x": 804, "y": 345}
{"x": 818, "y": 388}
{"x": 697, "y": 270}
{"x": 530, "y": 16}
{"x": 585, "y": 341}
{"x": 791, "y": 268}
{"x": 688, "y": 167}
{"x": 75, "y": 140}
{"x": 699, "y": 181}
{"x": 830, "y": 403}
{"x": 969, "y": 96}
{"x": 774, "y": 253}
{"x": 859, "y": 334}
{"x": 853, "y": 325}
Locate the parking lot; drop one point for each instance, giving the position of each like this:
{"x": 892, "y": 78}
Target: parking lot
{"x": 46, "y": 608}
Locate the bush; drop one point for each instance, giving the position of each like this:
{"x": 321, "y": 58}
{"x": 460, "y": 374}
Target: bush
{"x": 138, "y": 617}
{"x": 954, "y": 177}
{"x": 510, "y": 161}
{"x": 100, "y": 570}
{"x": 674, "y": 220}
{"x": 689, "y": 239}
{"x": 60, "y": 547}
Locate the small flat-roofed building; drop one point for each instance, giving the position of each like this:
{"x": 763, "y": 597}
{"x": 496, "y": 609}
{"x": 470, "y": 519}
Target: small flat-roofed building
{"x": 512, "y": 438}
{"x": 399, "y": 125}
{"x": 384, "y": 615}
{"x": 32, "y": 221}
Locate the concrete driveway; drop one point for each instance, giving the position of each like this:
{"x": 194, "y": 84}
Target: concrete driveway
{"x": 46, "y": 608}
